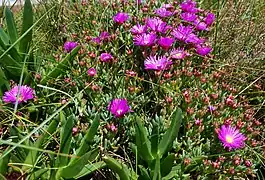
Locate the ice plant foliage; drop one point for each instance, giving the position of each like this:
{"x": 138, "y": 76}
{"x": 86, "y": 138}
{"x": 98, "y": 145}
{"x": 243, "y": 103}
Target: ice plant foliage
{"x": 23, "y": 93}
{"x": 69, "y": 46}
{"x": 119, "y": 107}
{"x": 120, "y": 17}
{"x": 157, "y": 63}
{"x": 231, "y": 137}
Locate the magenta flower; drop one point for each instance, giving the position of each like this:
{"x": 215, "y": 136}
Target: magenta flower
{"x": 189, "y": 6}
{"x": 92, "y": 72}
{"x": 104, "y": 35}
{"x": 120, "y": 17}
{"x": 200, "y": 25}
{"x": 119, "y": 107}
{"x": 157, "y": 25}
{"x": 209, "y": 19}
{"x": 166, "y": 42}
{"x": 231, "y": 137}
{"x": 145, "y": 39}
{"x": 96, "y": 40}
{"x": 187, "y": 16}
{"x": 106, "y": 57}
{"x": 163, "y": 12}
{"x": 203, "y": 50}
{"x": 178, "y": 53}
{"x": 211, "y": 108}
{"x": 182, "y": 32}
{"x": 168, "y": 6}
{"x": 157, "y": 63}
{"x": 138, "y": 29}
{"x": 194, "y": 39}
{"x": 25, "y": 93}
{"x": 69, "y": 46}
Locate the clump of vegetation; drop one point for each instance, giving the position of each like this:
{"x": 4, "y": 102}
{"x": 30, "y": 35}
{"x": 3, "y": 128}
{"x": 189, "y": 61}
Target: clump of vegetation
{"x": 124, "y": 90}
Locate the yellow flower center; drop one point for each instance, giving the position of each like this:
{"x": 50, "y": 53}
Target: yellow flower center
{"x": 229, "y": 139}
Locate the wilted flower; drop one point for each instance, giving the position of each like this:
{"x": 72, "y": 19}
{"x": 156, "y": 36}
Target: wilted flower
{"x": 145, "y": 39}
{"x": 163, "y": 12}
{"x": 189, "y": 6}
{"x": 91, "y": 72}
{"x": 120, "y": 17}
{"x": 203, "y": 50}
{"x": 157, "y": 25}
{"x": 178, "y": 53}
{"x": 186, "y": 16}
{"x": 119, "y": 107}
{"x": 138, "y": 29}
{"x": 69, "y": 46}
{"x": 25, "y": 93}
{"x": 157, "y": 63}
{"x": 231, "y": 137}
{"x": 106, "y": 57}
{"x": 209, "y": 19}
{"x": 166, "y": 42}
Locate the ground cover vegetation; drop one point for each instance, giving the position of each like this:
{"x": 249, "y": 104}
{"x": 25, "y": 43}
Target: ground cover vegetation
{"x": 132, "y": 90}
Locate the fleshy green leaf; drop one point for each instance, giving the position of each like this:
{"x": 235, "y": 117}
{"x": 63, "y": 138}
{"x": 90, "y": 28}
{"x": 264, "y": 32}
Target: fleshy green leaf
{"x": 90, "y": 168}
{"x": 4, "y": 37}
{"x": 142, "y": 142}
{"x": 89, "y": 137}
{"x": 11, "y": 25}
{"x": 4, "y": 164}
{"x": 65, "y": 140}
{"x": 120, "y": 168}
{"x": 27, "y": 23}
{"x": 171, "y": 133}
{"x": 157, "y": 172}
{"x": 37, "y": 174}
{"x": 144, "y": 173}
{"x": 75, "y": 168}
{"x": 167, "y": 164}
{"x": 32, "y": 155}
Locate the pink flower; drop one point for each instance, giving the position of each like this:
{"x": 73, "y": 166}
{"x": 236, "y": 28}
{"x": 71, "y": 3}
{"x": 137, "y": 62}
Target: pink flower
{"x": 119, "y": 107}
{"x": 231, "y": 137}
{"x": 120, "y": 17}
{"x": 157, "y": 25}
{"x": 166, "y": 42}
{"x": 203, "y": 50}
{"x": 186, "y": 16}
{"x": 209, "y": 19}
{"x": 178, "y": 53}
{"x": 69, "y": 46}
{"x": 157, "y": 63}
{"x": 189, "y": 6}
{"x": 25, "y": 93}
{"x": 106, "y": 57}
{"x": 138, "y": 29}
{"x": 145, "y": 39}
{"x": 163, "y": 12}
{"x": 92, "y": 72}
